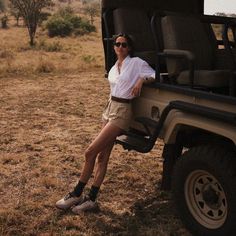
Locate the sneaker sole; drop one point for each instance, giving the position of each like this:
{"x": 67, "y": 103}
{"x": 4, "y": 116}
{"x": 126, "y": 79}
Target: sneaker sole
{"x": 78, "y": 212}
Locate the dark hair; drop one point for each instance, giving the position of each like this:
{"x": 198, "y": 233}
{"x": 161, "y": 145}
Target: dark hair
{"x": 128, "y": 39}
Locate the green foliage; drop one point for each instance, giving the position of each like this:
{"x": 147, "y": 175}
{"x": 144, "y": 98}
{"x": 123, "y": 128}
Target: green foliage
{"x": 30, "y": 11}
{"x": 88, "y": 59}
{"x": 65, "y": 22}
{"x": 85, "y": 28}
{"x": 43, "y": 17}
{"x": 15, "y": 12}
{"x": 2, "y": 5}
{"x": 92, "y": 10}
{"x": 59, "y": 26}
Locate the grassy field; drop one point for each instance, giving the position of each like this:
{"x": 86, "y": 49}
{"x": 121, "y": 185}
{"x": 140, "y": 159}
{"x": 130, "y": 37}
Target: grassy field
{"x": 51, "y": 100}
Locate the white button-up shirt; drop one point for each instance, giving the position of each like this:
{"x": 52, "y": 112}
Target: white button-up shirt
{"x": 132, "y": 69}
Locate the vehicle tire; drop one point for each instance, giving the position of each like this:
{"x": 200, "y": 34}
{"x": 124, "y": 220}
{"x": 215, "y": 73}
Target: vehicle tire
{"x": 204, "y": 190}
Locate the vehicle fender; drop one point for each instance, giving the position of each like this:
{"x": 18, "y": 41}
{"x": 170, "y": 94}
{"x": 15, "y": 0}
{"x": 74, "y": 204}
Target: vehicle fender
{"x": 176, "y": 119}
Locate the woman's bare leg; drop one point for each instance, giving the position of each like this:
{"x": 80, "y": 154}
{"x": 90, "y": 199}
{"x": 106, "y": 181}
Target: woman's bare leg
{"x": 102, "y": 143}
{"x": 101, "y": 165}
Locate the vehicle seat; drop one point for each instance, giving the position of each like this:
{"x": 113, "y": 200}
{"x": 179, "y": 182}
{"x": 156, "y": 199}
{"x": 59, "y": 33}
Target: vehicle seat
{"x": 189, "y": 33}
{"x": 136, "y": 23}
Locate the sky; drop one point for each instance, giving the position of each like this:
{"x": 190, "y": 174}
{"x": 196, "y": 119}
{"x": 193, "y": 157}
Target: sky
{"x": 226, "y": 6}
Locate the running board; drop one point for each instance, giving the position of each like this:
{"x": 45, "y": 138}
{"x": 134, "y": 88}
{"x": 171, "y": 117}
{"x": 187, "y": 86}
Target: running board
{"x": 134, "y": 142}
{"x": 141, "y": 143}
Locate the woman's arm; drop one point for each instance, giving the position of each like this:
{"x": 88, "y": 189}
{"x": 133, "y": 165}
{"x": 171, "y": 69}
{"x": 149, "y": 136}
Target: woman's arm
{"x": 146, "y": 74}
{"x": 139, "y": 84}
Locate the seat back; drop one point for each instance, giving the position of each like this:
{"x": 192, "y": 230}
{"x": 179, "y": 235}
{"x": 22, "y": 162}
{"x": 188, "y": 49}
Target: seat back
{"x": 136, "y": 23}
{"x": 187, "y": 33}
{"x": 222, "y": 60}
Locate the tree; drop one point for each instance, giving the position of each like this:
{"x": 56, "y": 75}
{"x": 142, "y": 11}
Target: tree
{"x": 4, "y": 21}
{"x": 2, "y": 6}
{"x": 30, "y": 11}
{"x": 92, "y": 10}
{"x": 15, "y": 12}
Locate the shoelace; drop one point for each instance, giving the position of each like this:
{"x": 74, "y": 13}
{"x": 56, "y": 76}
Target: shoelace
{"x": 69, "y": 195}
{"x": 85, "y": 199}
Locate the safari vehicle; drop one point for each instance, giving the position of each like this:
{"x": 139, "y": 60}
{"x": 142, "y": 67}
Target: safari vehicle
{"x": 191, "y": 105}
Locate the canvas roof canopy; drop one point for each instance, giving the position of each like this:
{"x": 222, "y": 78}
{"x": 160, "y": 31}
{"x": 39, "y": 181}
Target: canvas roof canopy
{"x": 185, "y": 6}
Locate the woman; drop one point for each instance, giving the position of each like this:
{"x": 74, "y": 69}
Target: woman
{"x": 126, "y": 78}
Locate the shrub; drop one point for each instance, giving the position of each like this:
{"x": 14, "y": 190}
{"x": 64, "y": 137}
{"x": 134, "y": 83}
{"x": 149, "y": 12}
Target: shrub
{"x": 87, "y": 27}
{"x": 58, "y": 26}
{"x": 64, "y": 22}
{"x": 4, "y": 21}
{"x": 88, "y": 59}
{"x": 43, "y": 17}
{"x": 76, "y": 21}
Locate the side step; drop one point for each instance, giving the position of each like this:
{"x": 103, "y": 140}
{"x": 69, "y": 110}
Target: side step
{"x": 138, "y": 143}
{"x": 141, "y": 143}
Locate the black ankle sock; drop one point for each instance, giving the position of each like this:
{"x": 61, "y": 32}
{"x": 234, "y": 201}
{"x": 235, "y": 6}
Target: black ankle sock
{"x": 79, "y": 188}
{"x": 93, "y": 193}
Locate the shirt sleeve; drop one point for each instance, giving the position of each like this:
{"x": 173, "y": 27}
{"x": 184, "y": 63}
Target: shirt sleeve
{"x": 146, "y": 70}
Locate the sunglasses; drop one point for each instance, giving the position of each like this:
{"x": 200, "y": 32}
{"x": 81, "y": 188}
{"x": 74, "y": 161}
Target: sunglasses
{"x": 123, "y": 45}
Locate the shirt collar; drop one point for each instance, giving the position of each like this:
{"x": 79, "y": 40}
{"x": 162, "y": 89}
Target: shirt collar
{"x": 126, "y": 61}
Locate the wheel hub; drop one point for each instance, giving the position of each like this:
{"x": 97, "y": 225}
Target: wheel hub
{"x": 206, "y": 199}
{"x": 211, "y": 197}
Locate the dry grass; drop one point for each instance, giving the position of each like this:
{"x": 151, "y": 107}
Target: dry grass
{"x": 64, "y": 55}
{"x": 47, "y": 121}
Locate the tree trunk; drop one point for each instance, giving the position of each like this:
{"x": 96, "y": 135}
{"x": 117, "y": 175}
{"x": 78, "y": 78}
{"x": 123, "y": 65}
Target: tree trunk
{"x": 31, "y": 41}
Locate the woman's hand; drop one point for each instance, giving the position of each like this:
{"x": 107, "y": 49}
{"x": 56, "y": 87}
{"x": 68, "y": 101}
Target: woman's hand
{"x": 137, "y": 88}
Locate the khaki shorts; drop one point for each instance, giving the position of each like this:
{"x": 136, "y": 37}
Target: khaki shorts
{"x": 117, "y": 113}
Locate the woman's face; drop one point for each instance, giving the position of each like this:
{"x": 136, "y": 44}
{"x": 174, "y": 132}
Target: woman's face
{"x": 121, "y": 47}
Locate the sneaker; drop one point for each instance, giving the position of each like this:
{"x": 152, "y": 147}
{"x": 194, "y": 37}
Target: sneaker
{"x": 68, "y": 201}
{"x": 85, "y": 205}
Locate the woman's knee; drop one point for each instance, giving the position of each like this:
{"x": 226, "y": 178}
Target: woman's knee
{"x": 90, "y": 155}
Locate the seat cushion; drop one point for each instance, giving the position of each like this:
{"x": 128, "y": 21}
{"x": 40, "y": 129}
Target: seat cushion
{"x": 206, "y": 78}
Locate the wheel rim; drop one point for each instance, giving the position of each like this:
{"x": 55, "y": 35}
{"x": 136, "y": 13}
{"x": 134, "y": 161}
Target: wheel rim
{"x": 206, "y": 199}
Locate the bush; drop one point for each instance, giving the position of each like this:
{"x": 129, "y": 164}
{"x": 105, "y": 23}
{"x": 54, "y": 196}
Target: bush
{"x": 4, "y": 21}
{"x": 64, "y": 22}
{"x": 87, "y": 27}
{"x": 43, "y": 17}
{"x": 58, "y": 26}
{"x": 76, "y": 21}
{"x": 88, "y": 59}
